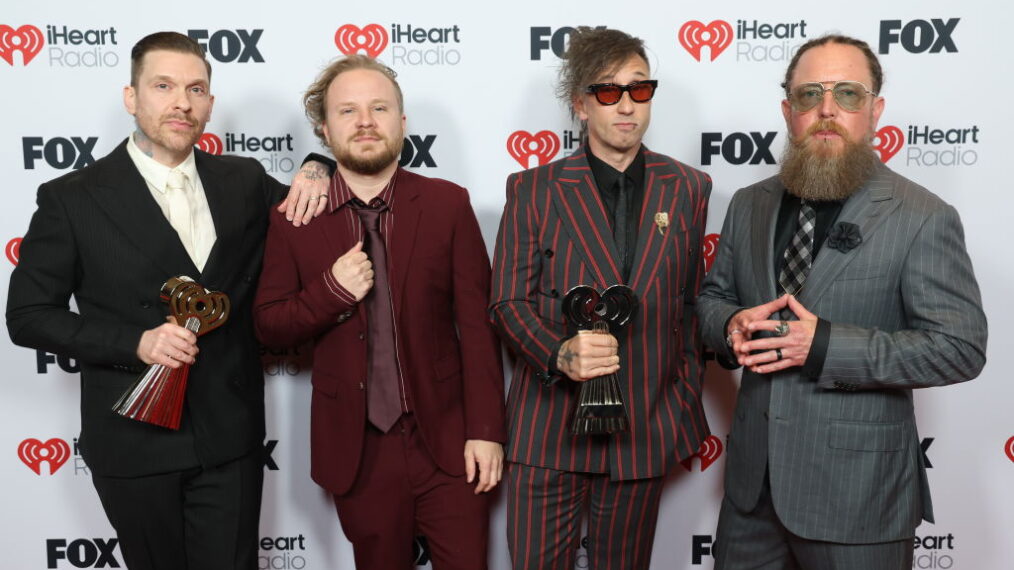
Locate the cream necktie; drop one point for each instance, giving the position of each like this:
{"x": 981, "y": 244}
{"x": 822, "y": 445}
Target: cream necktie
{"x": 181, "y": 209}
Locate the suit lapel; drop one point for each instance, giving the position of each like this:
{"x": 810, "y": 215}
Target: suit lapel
{"x": 867, "y": 208}
{"x": 578, "y": 202}
{"x": 229, "y": 216}
{"x": 123, "y": 194}
{"x": 763, "y": 219}
{"x": 409, "y": 208}
{"x": 664, "y": 193}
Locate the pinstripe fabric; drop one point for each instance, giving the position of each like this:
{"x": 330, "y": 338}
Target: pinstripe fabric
{"x": 758, "y": 541}
{"x": 555, "y": 235}
{"x": 905, "y": 312}
{"x": 545, "y": 507}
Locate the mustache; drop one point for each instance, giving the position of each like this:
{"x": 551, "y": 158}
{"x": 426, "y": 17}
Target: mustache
{"x": 366, "y": 133}
{"x": 184, "y": 118}
{"x": 826, "y": 125}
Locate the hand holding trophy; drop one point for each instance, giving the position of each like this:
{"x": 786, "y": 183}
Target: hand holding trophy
{"x": 600, "y": 408}
{"x": 157, "y": 395}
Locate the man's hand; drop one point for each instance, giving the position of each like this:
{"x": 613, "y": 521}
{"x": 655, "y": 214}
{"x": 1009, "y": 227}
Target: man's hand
{"x": 354, "y": 271}
{"x": 169, "y": 345}
{"x": 779, "y": 352}
{"x": 307, "y": 196}
{"x": 588, "y": 355}
{"x": 488, "y": 457}
{"x": 737, "y": 332}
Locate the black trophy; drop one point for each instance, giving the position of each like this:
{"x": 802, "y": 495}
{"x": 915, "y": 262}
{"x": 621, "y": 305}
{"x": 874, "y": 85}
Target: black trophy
{"x": 600, "y": 408}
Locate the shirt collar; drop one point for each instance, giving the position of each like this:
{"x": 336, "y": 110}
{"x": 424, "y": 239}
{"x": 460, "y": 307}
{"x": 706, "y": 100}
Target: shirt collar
{"x": 339, "y": 193}
{"x": 154, "y": 172}
{"x": 605, "y": 175}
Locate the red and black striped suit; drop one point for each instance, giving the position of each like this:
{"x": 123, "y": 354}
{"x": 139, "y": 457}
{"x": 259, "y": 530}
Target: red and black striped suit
{"x": 555, "y": 234}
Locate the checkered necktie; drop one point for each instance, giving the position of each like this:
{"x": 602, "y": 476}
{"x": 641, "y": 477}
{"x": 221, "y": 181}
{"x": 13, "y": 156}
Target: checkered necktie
{"x": 799, "y": 254}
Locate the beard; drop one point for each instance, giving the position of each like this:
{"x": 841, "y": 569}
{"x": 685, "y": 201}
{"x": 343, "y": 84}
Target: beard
{"x": 812, "y": 171}
{"x": 158, "y": 133}
{"x": 370, "y": 164}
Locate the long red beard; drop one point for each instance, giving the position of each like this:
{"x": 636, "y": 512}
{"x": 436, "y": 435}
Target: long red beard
{"x": 811, "y": 172}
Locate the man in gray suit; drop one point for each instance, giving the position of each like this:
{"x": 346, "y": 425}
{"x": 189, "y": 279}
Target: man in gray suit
{"x": 839, "y": 286}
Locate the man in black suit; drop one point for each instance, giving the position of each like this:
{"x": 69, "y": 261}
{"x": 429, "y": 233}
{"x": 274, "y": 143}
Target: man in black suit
{"x": 110, "y": 235}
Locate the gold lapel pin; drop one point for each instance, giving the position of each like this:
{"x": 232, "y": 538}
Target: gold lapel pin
{"x": 662, "y": 221}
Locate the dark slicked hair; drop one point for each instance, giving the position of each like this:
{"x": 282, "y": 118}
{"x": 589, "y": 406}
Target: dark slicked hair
{"x": 591, "y": 53}
{"x": 876, "y": 72}
{"x": 164, "y": 41}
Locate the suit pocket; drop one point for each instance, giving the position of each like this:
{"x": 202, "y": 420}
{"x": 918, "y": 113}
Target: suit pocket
{"x": 324, "y": 383}
{"x": 447, "y": 367}
{"x": 867, "y": 436}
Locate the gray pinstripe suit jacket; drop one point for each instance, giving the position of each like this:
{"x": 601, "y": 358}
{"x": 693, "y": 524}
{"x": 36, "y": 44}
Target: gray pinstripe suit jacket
{"x": 905, "y": 312}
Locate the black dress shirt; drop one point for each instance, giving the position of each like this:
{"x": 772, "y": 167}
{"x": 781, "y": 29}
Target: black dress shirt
{"x": 788, "y": 223}
{"x": 606, "y": 178}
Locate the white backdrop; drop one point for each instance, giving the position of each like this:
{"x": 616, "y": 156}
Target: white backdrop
{"x": 479, "y": 81}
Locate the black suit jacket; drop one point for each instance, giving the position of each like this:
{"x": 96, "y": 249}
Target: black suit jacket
{"x": 100, "y": 236}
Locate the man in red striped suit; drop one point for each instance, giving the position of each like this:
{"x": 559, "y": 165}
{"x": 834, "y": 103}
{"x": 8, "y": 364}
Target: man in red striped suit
{"x": 613, "y": 212}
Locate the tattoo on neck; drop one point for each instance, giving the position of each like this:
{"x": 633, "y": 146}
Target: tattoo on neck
{"x": 143, "y": 143}
{"x": 314, "y": 171}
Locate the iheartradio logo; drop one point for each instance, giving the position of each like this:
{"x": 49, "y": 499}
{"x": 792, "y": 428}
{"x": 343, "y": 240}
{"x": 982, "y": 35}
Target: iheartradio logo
{"x": 523, "y": 145}
{"x": 351, "y": 38}
{"x": 33, "y": 453}
{"x": 710, "y": 249}
{"x": 27, "y": 39}
{"x": 889, "y": 141}
{"x": 694, "y": 35}
{"x": 710, "y": 451}
{"x": 210, "y": 143}
{"x": 1009, "y": 448}
{"x": 13, "y": 250}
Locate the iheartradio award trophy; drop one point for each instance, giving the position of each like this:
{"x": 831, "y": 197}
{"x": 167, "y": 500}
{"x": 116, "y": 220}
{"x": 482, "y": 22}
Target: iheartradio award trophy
{"x": 157, "y": 396}
{"x": 600, "y": 407}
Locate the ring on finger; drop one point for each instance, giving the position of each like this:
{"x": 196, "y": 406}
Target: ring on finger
{"x": 782, "y": 328}
{"x": 728, "y": 338}
{"x": 778, "y": 353}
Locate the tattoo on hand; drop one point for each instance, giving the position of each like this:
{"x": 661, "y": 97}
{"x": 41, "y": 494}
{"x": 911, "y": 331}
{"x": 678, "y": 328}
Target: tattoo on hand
{"x": 313, "y": 171}
{"x": 567, "y": 357}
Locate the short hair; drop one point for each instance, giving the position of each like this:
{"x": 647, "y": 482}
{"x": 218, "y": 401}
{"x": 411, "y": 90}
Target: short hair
{"x": 166, "y": 41}
{"x": 315, "y": 98}
{"x": 876, "y": 72}
{"x": 591, "y": 52}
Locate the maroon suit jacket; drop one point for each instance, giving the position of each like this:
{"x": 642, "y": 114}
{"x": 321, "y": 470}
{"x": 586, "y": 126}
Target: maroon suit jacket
{"x": 440, "y": 276}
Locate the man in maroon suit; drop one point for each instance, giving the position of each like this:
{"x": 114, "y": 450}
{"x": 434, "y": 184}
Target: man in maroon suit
{"x": 391, "y": 283}
{"x": 612, "y": 213}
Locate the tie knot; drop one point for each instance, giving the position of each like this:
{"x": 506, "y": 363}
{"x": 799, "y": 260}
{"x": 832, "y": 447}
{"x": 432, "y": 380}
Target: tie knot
{"x": 176, "y": 180}
{"x": 370, "y": 218}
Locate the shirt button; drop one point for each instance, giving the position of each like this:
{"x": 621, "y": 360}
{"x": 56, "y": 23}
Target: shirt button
{"x": 362, "y": 386}
{"x": 548, "y": 253}
{"x": 362, "y": 336}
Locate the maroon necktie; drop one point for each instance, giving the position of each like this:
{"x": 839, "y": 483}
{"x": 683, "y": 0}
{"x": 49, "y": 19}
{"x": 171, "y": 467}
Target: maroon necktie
{"x": 382, "y": 394}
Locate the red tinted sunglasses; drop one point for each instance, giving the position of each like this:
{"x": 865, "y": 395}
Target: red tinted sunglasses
{"x": 610, "y": 93}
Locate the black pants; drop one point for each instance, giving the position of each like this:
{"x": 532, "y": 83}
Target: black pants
{"x": 195, "y": 519}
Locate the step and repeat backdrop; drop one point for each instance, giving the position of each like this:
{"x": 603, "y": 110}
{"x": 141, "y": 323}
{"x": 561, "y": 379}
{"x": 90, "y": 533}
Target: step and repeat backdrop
{"x": 479, "y": 82}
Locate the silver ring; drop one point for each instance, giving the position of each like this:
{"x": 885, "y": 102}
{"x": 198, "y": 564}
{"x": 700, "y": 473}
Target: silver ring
{"x": 778, "y": 353}
{"x": 314, "y": 198}
{"x": 728, "y": 337}
{"x": 323, "y": 196}
{"x": 782, "y": 328}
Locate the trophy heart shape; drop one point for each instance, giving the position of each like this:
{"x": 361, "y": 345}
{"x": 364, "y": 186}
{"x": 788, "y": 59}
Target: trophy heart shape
{"x": 211, "y": 308}
{"x": 584, "y": 306}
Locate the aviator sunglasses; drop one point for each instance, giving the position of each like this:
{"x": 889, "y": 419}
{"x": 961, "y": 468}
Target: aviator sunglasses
{"x": 850, "y": 95}
{"x": 610, "y": 93}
